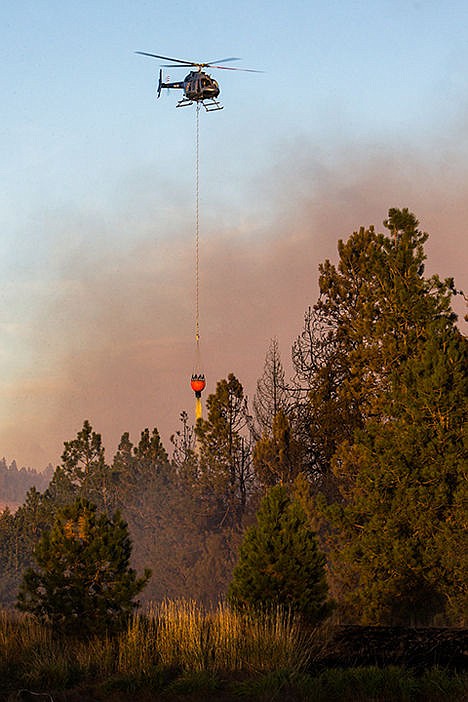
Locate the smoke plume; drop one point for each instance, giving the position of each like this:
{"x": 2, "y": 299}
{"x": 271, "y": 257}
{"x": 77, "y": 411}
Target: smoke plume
{"x": 111, "y": 333}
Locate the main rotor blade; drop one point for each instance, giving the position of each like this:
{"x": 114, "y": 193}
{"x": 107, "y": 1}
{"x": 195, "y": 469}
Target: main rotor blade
{"x": 179, "y": 65}
{"x": 199, "y": 64}
{"x": 210, "y": 63}
{"x": 231, "y": 68}
{"x": 168, "y": 58}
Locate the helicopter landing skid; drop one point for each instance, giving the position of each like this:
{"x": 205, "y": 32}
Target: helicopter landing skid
{"x": 210, "y": 105}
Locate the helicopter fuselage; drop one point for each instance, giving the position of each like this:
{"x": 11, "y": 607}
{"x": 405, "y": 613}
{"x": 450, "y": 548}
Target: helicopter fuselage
{"x": 200, "y": 86}
{"x": 197, "y": 86}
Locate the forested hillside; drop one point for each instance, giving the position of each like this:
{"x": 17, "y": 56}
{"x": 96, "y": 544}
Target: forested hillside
{"x": 15, "y": 483}
{"x": 368, "y": 435}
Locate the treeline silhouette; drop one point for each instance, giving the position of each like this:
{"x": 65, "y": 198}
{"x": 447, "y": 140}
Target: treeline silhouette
{"x": 15, "y": 482}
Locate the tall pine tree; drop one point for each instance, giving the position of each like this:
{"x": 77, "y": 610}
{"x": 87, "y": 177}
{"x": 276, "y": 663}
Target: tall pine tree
{"x": 391, "y": 524}
{"x": 224, "y": 446}
{"x": 271, "y": 394}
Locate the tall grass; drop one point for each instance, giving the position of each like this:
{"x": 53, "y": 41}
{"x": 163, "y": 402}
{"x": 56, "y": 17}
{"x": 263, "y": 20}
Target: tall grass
{"x": 20, "y": 637}
{"x": 178, "y": 635}
{"x": 181, "y": 647}
{"x": 184, "y": 635}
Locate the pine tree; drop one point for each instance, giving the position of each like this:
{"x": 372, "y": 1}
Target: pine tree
{"x": 401, "y": 526}
{"x": 19, "y": 533}
{"x": 277, "y": 456}
{"x": 135, "y": 469}
{"x": 271, "y": 394}
{"x": 83, "y": 583}
{"x": 150, "y": 454}
{"x": 123, "y": 466}
{"x": 394, "y": 513}
{"x": 322, "y": 413}
{"x": 371, "y": 313}
{"x": 10, "y": 556}
{"x": 224, "y": 447}
{"x": 84, "y": 466}
{"x": 184, "y": 456}
{"x": 279, "y": 561}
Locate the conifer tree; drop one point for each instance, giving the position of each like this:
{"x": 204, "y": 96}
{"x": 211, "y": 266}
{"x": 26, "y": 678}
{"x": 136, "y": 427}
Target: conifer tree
{"x": 271, "y": 395}
{"x": 83, "y": 583}
{"x": 19, "y": 533}
{"x": 393, "y": 515}
{"x": 400, "y": 529}
{"x": 84, "y": 468}
{"x": 136, "y": 469}
{"x": 184, "y": 457}
{"x": 150, "y": 454}
{"x": 123, "y": 466}
{"x": 277, "y": 456}
{"x": 11, "y": 553}
{"x": 279, "y": 561}
{"x": 225, "y": 448}
{"x": 323, "y": 415}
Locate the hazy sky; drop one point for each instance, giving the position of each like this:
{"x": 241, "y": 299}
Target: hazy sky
{"x": 362, "y": 106}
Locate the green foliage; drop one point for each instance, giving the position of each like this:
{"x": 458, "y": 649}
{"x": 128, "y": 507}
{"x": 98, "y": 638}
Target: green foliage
{"x": 279, "y": 561}
{"x": 83, "y": 583}
{"x": 19, "y": 533}
{"x": 150, "y": 454}
{"x": 324, "y": 416}
{"x": 83, "y": 464}
{"x": 400, "y": 525}
{"x": 83, "y": 473}
{"x": 11, "y": 548}
{"x": 391, "y": 508}
{"x": 137, "y": 469}
{"x": 389, "y": 683}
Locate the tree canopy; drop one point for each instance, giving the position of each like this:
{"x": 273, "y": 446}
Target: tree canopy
{"x": 82, "y": 583}
{"x": 392, "y": 483}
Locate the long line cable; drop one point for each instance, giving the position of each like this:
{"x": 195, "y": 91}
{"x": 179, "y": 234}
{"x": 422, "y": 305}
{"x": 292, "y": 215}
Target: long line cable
{"x": 198, "y": 402}
{"x": 197, "y": 227}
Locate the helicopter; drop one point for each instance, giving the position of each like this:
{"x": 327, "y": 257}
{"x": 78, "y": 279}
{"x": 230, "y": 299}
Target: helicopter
{"x": 197, "y": 85}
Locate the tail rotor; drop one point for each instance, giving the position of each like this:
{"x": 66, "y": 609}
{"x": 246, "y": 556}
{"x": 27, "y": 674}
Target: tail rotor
{"x": 160, "y": 82}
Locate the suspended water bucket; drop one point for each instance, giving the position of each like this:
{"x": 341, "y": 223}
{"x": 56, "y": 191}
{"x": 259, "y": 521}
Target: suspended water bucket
{"x": 198, "y": 383}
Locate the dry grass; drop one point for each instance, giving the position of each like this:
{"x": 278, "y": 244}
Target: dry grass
{"x": 179, "y": 635}
{"x": 182, "y": 648}
{"x": 184, "y": 635}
